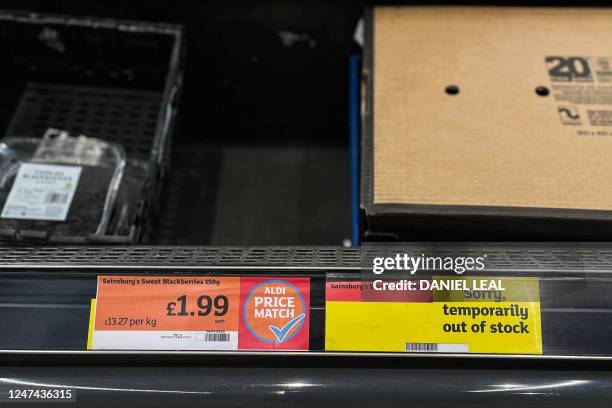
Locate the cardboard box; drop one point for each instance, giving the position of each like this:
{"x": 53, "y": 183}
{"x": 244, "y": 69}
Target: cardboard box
{"x": 488, "y": 123}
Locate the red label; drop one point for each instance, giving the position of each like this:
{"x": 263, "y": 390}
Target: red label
{"x": 357, "y": 291}
{"x": 275, "y": 313}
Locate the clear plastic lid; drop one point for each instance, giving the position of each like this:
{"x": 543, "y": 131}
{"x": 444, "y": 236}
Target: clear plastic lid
{"x": 58, "y": 188}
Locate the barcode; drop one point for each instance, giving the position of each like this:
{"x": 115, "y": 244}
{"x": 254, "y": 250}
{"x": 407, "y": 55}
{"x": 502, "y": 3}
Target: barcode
{"x": 438, "y": 347}
{"x": 56, "y": 198}
{"x": 217, "y": 337}
{"x": 422, "y": 347}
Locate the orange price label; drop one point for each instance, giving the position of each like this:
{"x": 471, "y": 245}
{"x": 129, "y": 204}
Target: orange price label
{"x": 166, "y": 312}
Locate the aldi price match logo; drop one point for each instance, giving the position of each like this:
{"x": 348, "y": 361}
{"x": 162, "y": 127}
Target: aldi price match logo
{"x": 275, "y": 313}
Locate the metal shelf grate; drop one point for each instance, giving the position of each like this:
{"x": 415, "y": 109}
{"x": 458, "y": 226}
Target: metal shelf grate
{"x": 499, "y": 257}
{"x": 126, "y": 117}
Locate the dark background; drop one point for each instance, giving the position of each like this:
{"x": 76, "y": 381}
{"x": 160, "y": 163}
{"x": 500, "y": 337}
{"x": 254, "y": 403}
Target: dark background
{"x": 261, "y": 153}
{"x": 260, "y": 156}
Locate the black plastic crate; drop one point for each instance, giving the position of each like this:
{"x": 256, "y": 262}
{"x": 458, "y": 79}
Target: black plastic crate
{"x": 108, "y": 79}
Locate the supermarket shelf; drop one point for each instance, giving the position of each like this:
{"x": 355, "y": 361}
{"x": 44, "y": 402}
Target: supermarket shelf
{"x": 134, "y": 355}
{"x": 536, "y": 257}
{"x": 44, "y": 304}
{"x": 45, "y": 293}
{"x": 230, "y": 385}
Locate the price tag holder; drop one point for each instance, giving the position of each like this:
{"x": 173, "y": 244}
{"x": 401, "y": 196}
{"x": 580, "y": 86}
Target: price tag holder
{"x": 200, "y": 313}
{"x": 440, "y": 314}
